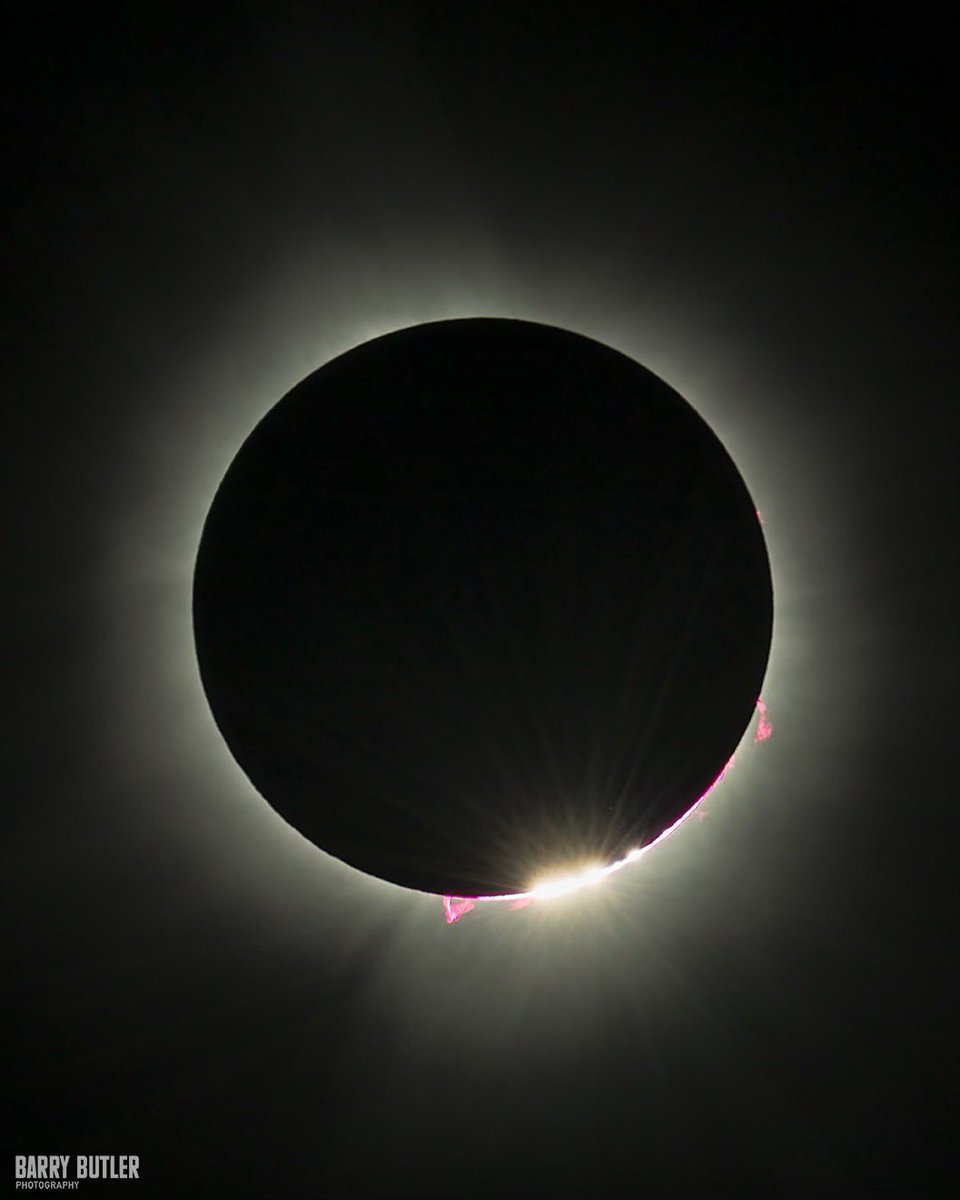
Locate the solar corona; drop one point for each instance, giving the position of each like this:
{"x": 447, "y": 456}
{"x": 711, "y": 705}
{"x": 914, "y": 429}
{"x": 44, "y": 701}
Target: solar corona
{"x": 483, "y": 608}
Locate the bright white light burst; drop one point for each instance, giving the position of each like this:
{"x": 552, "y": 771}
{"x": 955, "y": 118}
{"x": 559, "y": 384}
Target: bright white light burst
{"x": 562, "y": 885}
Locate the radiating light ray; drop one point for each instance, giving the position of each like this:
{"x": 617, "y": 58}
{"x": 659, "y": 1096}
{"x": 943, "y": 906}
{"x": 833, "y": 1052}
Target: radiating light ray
{"x": 454, "y": 907}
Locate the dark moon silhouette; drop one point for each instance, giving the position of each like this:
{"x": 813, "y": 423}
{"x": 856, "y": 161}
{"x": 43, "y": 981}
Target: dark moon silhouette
{"x": 480, "y": 600}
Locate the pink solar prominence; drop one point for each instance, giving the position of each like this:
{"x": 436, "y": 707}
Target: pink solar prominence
{"x": 454, "y": 907}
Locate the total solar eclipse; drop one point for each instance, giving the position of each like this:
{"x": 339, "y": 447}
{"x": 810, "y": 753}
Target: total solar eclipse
{"x": 480, "y": 600}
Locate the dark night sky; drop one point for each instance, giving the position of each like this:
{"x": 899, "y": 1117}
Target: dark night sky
{"x": 202, "y": 204}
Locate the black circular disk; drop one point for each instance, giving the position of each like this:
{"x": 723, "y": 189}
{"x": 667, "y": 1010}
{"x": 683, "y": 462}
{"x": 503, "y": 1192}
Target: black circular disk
{"x": 481, "y": 600}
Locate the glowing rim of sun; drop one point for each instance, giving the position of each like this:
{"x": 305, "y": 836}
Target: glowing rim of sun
{"x": 550, "y": 886}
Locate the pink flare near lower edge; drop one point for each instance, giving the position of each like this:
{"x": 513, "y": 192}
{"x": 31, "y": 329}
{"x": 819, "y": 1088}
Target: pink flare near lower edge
{"x": 454, "y": 907}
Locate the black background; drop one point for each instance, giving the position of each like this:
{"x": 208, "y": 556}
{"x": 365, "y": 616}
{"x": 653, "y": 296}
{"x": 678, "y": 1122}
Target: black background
{"x": 202, "y": 204}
